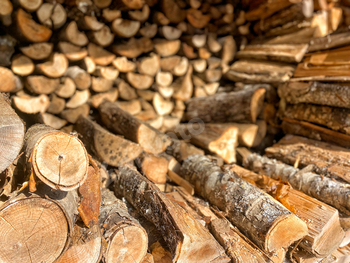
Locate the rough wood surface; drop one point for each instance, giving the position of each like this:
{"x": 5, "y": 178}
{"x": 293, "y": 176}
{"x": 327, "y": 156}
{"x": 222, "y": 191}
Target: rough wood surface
{"x": 186, "y": 238}
{"x": 126, "y": 239}
{"x": 327, "y": 159}
{"x": 234, "y": 196}
{"x": 329, "y": 191}
{"x": 123, "y": 123}
{"x": 58, "y": 159}
{"x": 12, "y": 134}
{"x": 325, "y": 233}
{"x": 107, "y": 147}
{"x": 240, "y": 106}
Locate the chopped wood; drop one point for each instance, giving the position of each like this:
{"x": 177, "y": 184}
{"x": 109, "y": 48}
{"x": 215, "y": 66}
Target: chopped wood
{"x": 121, "y": 231}
{"x": 219, "y": 139}
{"x": 90, "y": 23}
{"x": 166, "y": 48}
{"x": 325, "y": 234}
{"x": 156, "y": 123}
{"x": 41, "y": 84}
{"x": 140, "y": 15}
{"x": 145, "y": 94}
{"x": 199, "y": 65}
{"x": 170, "y": 221}
{"x": 31, "y": 105}
{"x": 162, "y": 106}
{"x": 102, "y": 3}
{"x": 125, "y": 28}
{"x": 110, "y": 73}
{"x": 107, "y": 147}
{"x": 134, "y": 47}
{"x": 149, "y": 65}
{"x": 72, "y": 115}
{"x": 121, "y": 122}
{"x": 133, "y": 106}
{"x": 78, "y": 99}
{"x": 81, "y": 78}
{"x": 224, "y": 107}
{"x": 52, "y": 16}
{"x": 166, "y": 92}
{"x": 234, "y": 196}
{"x": 72, "y": 52}
{"x": 181, "y": 68}
{"x": 327, "y": 159}
{"x": 284, "y": 53}
{"x": 148, "y": 258}
{"x": 229, "y": 50}
{"x": 126, "y": 92}
{"x": 164, "y": 79}
{"x": 101, "y": 84}
{"x": 169, "y": 32}
{"x": 66, "y": 89}
{"x": 22, "y": 65}
{"x": 57, "y": 159}
{"x": 153, "y": 167}
{"x": 12, "y": 132}
{"x": 139, "y": 81}
{"x": 30, "y": 29}
{"x": 111, "y": 14}
{"x": 123, "y": 64}
{"x": 329, "y": 41}
{"x": 111, "y": 95}
{"x": 329, "y": 191}
{"x": 149, "y": 31}
{"x": 250, "y": 71}
{"x": 6, "y": 9}
{"x": 197, "y": 19}
{"x": 335, "y": 95}
{"x": 73, "y": 35}
{"x": 38, "y": 51}
{"x": 103, "y": 37}
{"x": 172, "y": 11}
{"x": 7, "y": 80}
{"x": 180, "y": 150}
{"x": 30, "y": 6}
{"x": 51, "y": 120}
{"x": 99, "y": 55}
{"x": 88, "y": 64}
{"x": 186, "y": 89}
{"x": 55, "y": 67}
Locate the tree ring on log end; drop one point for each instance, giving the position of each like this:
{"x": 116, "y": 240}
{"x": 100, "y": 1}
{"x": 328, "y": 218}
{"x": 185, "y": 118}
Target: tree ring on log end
{"x": 32, "y": 230}
{"x": 60, "y": 161}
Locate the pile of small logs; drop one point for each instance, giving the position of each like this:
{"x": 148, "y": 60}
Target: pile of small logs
{"x": 123, "y": 123}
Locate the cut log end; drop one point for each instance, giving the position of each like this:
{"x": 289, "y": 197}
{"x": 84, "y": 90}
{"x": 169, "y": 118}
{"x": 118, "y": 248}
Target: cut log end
{"x": 257, "y": 103}
{"x": 151, "y": 141}
{"x": 60, "y": 160}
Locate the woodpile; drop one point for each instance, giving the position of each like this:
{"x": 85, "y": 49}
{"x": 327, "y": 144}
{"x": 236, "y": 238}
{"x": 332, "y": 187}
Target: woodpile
{"x": 134, "y": 131}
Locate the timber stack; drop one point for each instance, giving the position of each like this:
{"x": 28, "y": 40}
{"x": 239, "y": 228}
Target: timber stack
{"x": 133, "y": 131}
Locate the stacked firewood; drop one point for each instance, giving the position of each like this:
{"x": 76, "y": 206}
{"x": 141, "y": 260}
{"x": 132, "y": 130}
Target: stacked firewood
{"x": 123, "y": 110}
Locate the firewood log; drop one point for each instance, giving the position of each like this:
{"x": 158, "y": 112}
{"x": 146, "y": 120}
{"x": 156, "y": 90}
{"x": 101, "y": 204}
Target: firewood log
{"x": 66, "y": 89}
{"x": 139, "y": 81}
{"x": 55, "y": 67}
{"x": 153, "y": 167}
{"x": 145, "y": 94}
{"x": 164, "y": 79}
{"x": 149, "y": 31}
{"x": 199, "y": 65}
{"x": 134, "y": 47}
{"x": 325, "y": 236}
{"x": 12, "y": 134}
{"x": 5, "y": 13}
{"x": 329, "y": 41}
{"x": 322, "y": 188}
{"x": 80, "y": 77}
{"x": 50, "y": 120}
{"x": 38, "y": 51}
{"x": 247, "y": 106}
{"x": 132, "y": 106}
{"x": 197, "y": 19}
{"x": 22, "y": 65}
{"x": 125, "y": 28}
{"x": 172, "y": 11}
{"x": 335, "y": 95}
{"x": 57, "y": 104}
{"x": 126, "y": 92}
{"x": 237, "y": 246}
{"x": 73, "y": 35}
{"x": 103, "y": 37}
{"x": 88, "y": 64}
{"x": 251, "y": 71}
{"x": 30, "y": 29}
{"x": 166, "y": 93}
{"x": 229, "y": 50}
{"x": 86, "y": 246}
{"x": 121, "y": 122}
{"x": 180, "y": 150}
{"x": 72, "y": 52}
{"x": 111, "y": 95}
{"x": 78, "y": 99}
{"x": 7, "y": 80}
{"x": 99, "y": 55}
{"x": 140, "y": 15}
{"x": 284, "y": 53}
{"x": 314, "y": 132}
{"x": 101, "y": 84}
{"x": 89, "y": 23}
{"x": 126, "y": 239}
{"x": 234, "y": 196}
{"x": 123, "y": 64}
{"x": 52, "y": 16}
{"x": 333, "y": 118}
{"x": 219, "y": 139}
{"x": 168, "y": 63}
{"x": 41, "y": 84}
{"x": 166, "y": 48}
{"x": 194, "y": 244}
{"x": 320, "y": 154}
{"x": 102, "y": 3}
{"x": 186, "y": 89}
{"x": 149, "y": 65}
{"x": 110, "y": 72}
{"x": 148, "y": 258}
{"x": 31, "y": 105}
{"x": 181, "y": 68}
{"x": 45, "y": 220}
{"x": 170, "y": 33}
{"x": 162, "y": 106}
{"x": 72, "y": 115}
{"x": 57, "y": 159}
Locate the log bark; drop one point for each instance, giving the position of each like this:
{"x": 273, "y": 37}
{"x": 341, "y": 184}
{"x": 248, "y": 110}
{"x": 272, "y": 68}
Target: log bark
{"x": 315, "y": 132}
{"x": 56, "y": 158}
{"x": 127, "y": 240}
{"x": 187, "y": 240}
{"x": 180, "y": 150}
{"x": 234, "y": 196}
{"x": 334, "y": 118}
{"x": 329, "y": 41}
{"x": 121, "y": 122}
{"x": 107, "y": 147}
{"x": 241, "y": 106}
{"x": 331, "y": 192}
{"x": 221, "y": 140}
{"x": 12, "y": 134}
{"x": 327, "y": 159}
{"x": 336, "y": 95}
{"x": 325, "y": 233}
